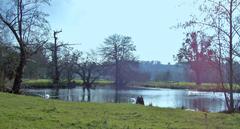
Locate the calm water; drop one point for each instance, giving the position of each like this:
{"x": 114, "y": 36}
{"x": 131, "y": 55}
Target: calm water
{"x": 171, "y": 98}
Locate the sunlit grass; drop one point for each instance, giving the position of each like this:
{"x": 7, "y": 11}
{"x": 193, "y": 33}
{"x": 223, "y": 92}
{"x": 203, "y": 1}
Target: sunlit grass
{"x": 187, "y": 85}
{"x": 24, "y": 112}
{"x": 37, "y": 82}
{"x": 46, "y": 83}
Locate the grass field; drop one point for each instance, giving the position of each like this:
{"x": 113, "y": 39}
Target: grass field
{"x": 23, "y": 112}
{"x": 186, "y": 85}
{"x": 47, "y": 83}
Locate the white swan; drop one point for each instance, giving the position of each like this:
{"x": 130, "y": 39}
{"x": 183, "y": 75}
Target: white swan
{"x": 132, "y": 100}
{"x": 46, "y": 96}
{"x": 193, "y": 93}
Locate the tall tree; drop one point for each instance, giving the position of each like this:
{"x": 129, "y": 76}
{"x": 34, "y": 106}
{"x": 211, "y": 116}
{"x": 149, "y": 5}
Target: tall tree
{"x": 28, "y": 25}
{"x": 60, "y": 54}
{"x": 196, "y": 50}
{"x": 222, "y": 17}
{"x": 118, "y": 50}
{"x": 55, "y": 59}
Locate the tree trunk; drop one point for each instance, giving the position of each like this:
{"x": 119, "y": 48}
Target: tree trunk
{"x": 116, "y": 81}
{"x": 2, "y": 80}
{"x": 89, "y": 94}
{"x": 83, "y": 95}
{"x": 19, "y": 73}
{"x": 55, "y": 61}
{"x": 198, "y": 80}
{"x": 231, "y": 58}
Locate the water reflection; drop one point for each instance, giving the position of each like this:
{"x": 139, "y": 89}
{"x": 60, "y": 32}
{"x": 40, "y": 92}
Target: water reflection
{"x": 205, "y": 101}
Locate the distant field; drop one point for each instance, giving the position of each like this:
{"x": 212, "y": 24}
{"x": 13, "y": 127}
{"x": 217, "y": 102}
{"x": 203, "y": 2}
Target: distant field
{"x": 47, "y": 83}
{"x": 186, "y": 85}
{"x": 24, "y": 112}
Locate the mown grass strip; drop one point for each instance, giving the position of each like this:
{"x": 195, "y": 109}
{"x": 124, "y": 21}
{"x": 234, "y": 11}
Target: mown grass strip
{"x": 24, "y": 112}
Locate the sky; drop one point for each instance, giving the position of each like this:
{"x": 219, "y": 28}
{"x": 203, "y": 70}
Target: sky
{"x": 148, "y": 22}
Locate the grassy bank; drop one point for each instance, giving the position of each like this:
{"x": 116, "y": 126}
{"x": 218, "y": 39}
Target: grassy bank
{"x": 47, "y": 83}
{"x": 31, "y": 112}
{"x": 185, "y": 85}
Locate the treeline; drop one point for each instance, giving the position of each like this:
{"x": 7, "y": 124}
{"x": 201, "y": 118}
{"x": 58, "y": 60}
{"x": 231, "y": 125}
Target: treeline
{"x": 183, "y": 72}
{"x": 73, "y": 64}
{"x": 164, "y": 72}
{"x": 29, "y": 49}
{"x": 210, "y": 48}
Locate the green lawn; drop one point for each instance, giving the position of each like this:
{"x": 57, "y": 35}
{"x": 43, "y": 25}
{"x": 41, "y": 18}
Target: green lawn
{"x": 24, "y": 112}
{"x": 186, "y": 85}
{"x": 47, "y": 83}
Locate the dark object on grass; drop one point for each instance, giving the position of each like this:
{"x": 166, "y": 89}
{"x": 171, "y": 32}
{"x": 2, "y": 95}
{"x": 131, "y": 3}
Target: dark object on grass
{"x": 140, "y": 100}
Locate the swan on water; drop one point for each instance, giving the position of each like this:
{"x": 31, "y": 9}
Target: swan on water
{"x": 193, "y": 93}
{"x": 46, "y": 96}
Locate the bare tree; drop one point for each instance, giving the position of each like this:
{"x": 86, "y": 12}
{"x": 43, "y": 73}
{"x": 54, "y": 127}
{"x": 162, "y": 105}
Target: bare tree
{"x": 55, "y": 49}
{"x": 59, "y": 54}
{"x": 68, "y": 64}
{"x": 28, "y": 26}
{"x": 89, "y": 68}
{"x": 118, "y": 50}
{"x": 222, "y": 17}
{"x": 60, "y": 57}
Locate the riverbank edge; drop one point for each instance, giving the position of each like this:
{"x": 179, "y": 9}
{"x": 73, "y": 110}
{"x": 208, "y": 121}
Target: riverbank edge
{"x": 35, "y": 112}
{"x": 189, "y": 86}
{"x": 47, "y": 83}
{"x": 205, "y": 87}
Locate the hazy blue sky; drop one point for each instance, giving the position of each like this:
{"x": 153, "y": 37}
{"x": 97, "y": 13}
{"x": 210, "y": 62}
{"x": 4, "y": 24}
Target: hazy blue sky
{"x": 148, "y": 22}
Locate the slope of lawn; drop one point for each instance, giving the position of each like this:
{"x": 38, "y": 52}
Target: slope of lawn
{"x": 24, "y": 112}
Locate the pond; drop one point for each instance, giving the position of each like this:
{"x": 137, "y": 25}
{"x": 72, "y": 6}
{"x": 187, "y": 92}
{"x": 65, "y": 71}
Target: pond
{"x": 167, "y": 98}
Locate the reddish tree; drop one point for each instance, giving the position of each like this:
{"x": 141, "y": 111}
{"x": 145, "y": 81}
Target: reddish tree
{"x": 197, "y": 52}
